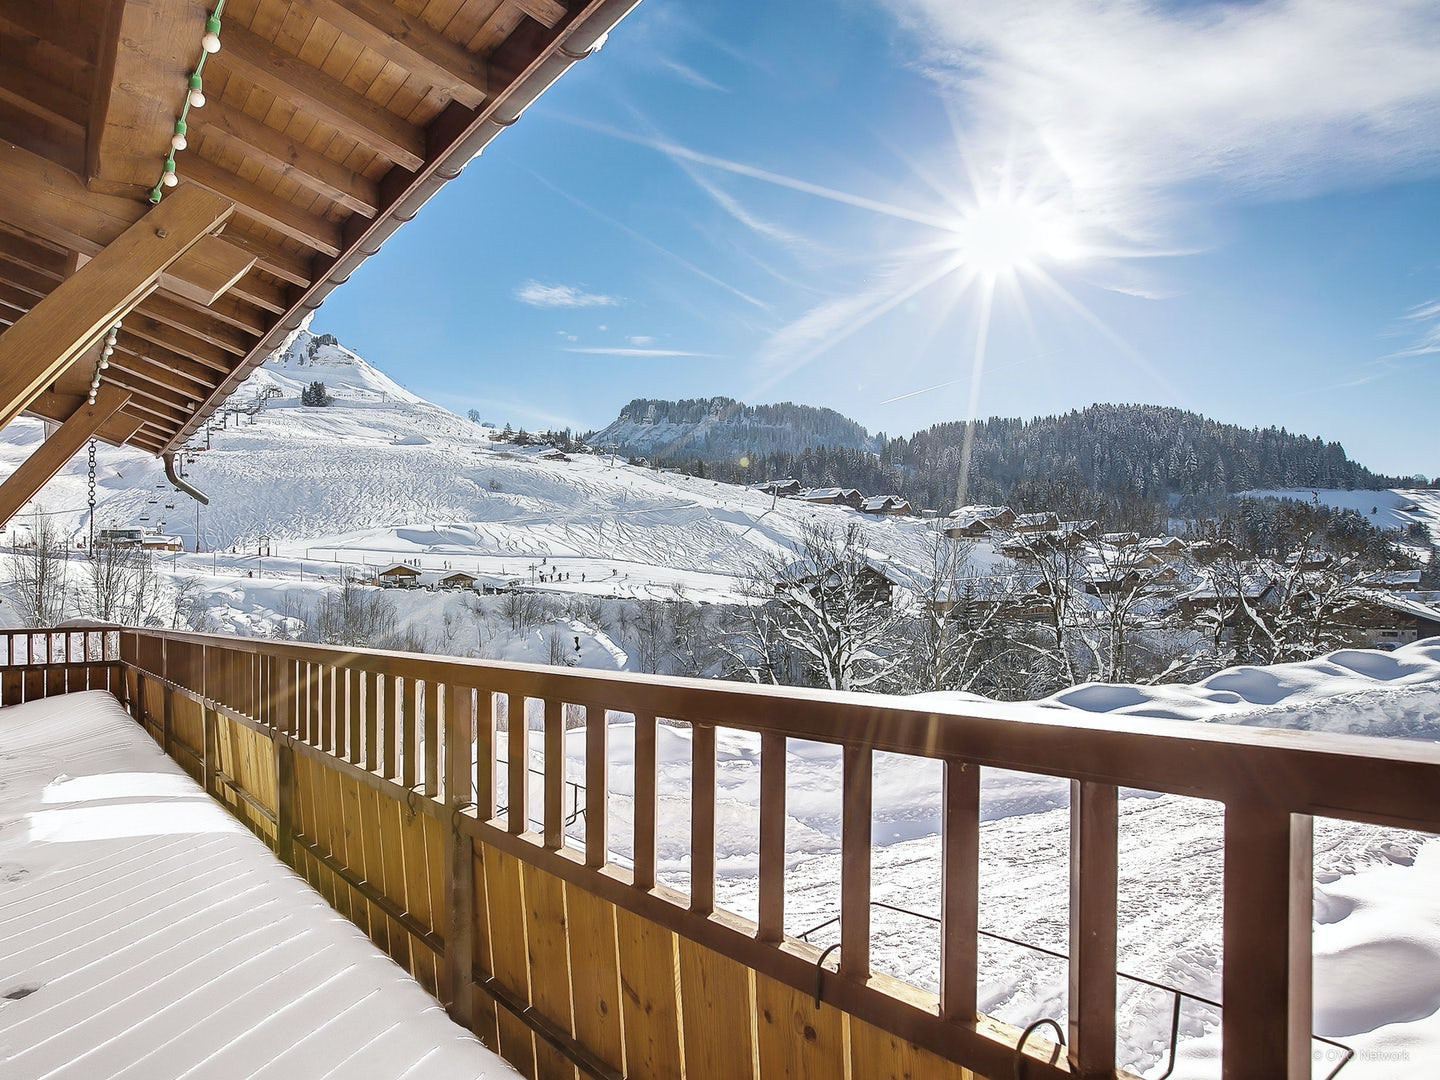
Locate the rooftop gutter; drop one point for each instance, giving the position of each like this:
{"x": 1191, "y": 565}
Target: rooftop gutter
{"x": 576, "y": 41}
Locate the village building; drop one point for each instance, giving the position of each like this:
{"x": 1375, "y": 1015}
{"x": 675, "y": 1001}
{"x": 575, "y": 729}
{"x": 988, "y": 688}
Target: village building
{"x": 785, "y": 489}
{"x": 399, "y": 576}
{"x": 1036, "y": 523}
{"x": 834, "y": 496}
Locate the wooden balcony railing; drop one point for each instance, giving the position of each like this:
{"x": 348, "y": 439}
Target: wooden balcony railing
{"x": 374, "y": 774}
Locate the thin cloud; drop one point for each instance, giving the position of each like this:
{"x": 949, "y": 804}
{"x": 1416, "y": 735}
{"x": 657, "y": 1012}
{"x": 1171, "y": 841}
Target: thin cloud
{"x": 1125, "y": 105}
{"x": 687, "y": 74}
{"x": 640, "y": 339}
{"x": 1427, "y": 318}
{"x": 538, "y": 294}
{"x": 619, "y": 351}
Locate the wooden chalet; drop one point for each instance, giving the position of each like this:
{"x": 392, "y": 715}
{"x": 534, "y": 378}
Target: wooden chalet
{"x": 1036, "y": 523}
{"x": 398, "y": 576}
{"x": 458, "y": 579}
{"x": 325, "y": 125}
{"x": 834, "y": 496}
{"x": 785, "y": 489}
{"x": 886, "y": 504}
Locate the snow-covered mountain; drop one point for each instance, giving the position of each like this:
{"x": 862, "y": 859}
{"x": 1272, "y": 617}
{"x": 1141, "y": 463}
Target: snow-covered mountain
{"x": 722, "y": 428}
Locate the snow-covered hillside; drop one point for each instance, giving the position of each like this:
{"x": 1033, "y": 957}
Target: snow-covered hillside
{"x": 1395, "y": 509}
{"x": 382, "y": 475}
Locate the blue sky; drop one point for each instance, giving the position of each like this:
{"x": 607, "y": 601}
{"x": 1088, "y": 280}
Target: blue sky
{"x": 914, "y": 211}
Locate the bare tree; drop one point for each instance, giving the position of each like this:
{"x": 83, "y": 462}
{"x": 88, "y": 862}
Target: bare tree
{"x": 38, "y": 575}
{"x": 831, "y": 607}
{"x": 356, "y": 615}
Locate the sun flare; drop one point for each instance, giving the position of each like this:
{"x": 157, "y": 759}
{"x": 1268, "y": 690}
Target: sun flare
{"x": 996, "y": 238}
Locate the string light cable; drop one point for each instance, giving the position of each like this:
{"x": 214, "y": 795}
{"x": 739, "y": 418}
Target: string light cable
{"x": 194, "y": 99}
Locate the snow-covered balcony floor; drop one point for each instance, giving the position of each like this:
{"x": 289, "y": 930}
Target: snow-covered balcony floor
{"x": 144, "y": 933}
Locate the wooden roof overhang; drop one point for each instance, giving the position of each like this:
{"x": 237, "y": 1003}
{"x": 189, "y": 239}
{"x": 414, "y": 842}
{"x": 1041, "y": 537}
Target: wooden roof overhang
{"x": 327, "y": 124}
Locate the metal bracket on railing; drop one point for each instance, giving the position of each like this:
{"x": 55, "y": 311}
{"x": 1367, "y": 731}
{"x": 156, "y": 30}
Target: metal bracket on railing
{"x": 820, "y": 971}
{"x": 410, "y": 794}
{"x": 1025, "y": 1036}
{"x": 460, "y": 808}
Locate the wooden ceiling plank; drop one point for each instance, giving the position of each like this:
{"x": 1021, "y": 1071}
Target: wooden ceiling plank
{"x": 263, "y": 207}
{"x": 291, "y": 157}
{"x": 286, "y": 76}
{"x": 42, "y": 97}
{"x": 409, "y": 42}
{"x": 136, "y": 353}
{"x": 207, "y": 271}
{"x": 146, "y": 392}
{"x": 47, "y": 340}
{"x": 147, "y": 53}
{"x": 59, "y": 447}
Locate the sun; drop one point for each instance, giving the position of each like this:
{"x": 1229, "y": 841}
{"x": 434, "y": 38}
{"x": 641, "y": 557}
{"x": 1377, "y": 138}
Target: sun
{"x": 998, "y": 237}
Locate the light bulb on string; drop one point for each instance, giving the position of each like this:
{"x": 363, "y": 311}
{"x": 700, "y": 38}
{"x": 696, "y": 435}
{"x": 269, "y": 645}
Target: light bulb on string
{"x": 197, "y": 91}
{"x": 178, "y": 140}
{"x": 211, "y": 41}
{"x": 168, "y": 178}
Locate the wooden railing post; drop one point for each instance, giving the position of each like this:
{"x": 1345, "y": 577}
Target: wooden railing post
{"x": 702, "y": 819}
{"x": 167, "y": 718}
{"x": 282, "y": 730}
{"x": 554, "y": 777}
{"x": 855, "y": 841}
{"x": 597, "y": 787}
{"x": 1094, "y": 881}
{"x": 960, "y": 892}
{"x": 137, "y": 706}
{"x": 771, "y": 923}
{"x": 644, "y": 836}
{"x": 210, "y": 758}
{"x": 1267, "y": 962}
{"x": 459, "y": 871}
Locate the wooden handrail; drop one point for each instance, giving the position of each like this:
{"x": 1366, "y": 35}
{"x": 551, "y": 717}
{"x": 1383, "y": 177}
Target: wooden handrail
{"x": 414, "y": 738}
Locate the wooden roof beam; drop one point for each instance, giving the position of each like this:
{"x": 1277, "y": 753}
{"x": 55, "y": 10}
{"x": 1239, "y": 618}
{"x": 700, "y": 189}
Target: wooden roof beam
{"x": 263, "y": 207}
{"x": 147, "y": 50}
{"x": 409, "y": 42}
{"x": 138, "y": 354}
{"x": 547, "y": 13}
{"x": 50, "y": 203}
{"x": 289, "y": 156}
{"x": 51, "y": 455}
{"x": 292, "y": 80}
{"x": 41, "y": 97}
{"x": 177, "y": 316}
{"x": 207, "y": 271}
{"x": 182, "y": 340}
{"x": 49, "y": 338}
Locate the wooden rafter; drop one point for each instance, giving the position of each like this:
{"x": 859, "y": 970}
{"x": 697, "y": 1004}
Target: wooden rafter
{"x": 207, "y": 271}
{"x": 57, "y": 329}
{"x": 408, "y": 41}
{"x": 291, "y": 158}
{"x": 264, "y": 208}
{"x": 252, "y": 57}
{"x": 36, "y": 470}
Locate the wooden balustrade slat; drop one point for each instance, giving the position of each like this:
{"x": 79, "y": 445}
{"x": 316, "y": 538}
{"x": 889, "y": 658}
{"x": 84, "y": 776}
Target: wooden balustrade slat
{"x": 388, "y": 710}
{"x": 855, "y": 841}
{"x": 771, "y": 926}
{"x": 459, "y": 874}
{"x": 483, "y": 776}
{"x": 409, "y": 731}
{"x": 371, "y": 709}
{"x": 554, "y": 738}
{"x": 354, "y": 716}
{"x": 1269, "y": 873}
{"x": 1094, "y": 879}
{"x": 959, "y": 891}
{"x": 430, "y": 754}
{"x": 517, "y": 751}
{"x": 597, "y": 786}
{"x": 702, "y": 819}
{"x": 644, "y": 838}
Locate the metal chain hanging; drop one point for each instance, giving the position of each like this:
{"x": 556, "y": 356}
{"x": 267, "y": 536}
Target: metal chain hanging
{"x": 91, "y": 501}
